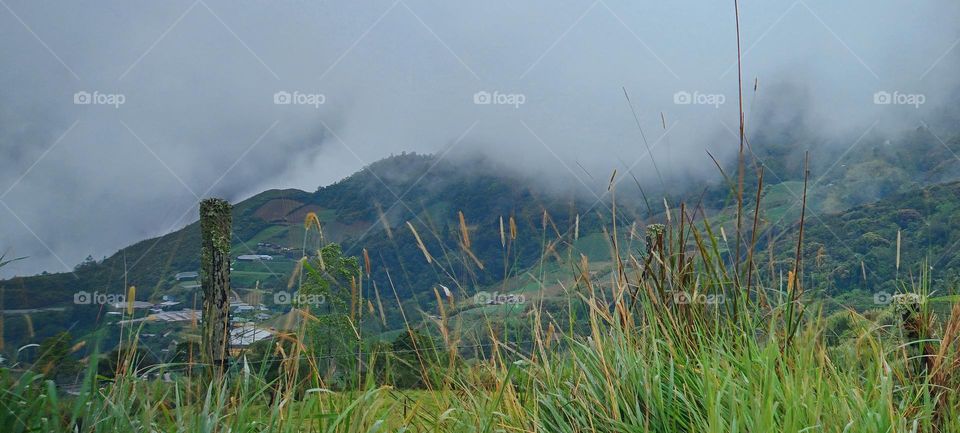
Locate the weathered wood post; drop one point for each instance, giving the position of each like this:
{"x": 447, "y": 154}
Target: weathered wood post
{"x": 215, "y": 229}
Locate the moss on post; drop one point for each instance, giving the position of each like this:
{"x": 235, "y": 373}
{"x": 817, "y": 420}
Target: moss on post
{"x": 215, "y": 228}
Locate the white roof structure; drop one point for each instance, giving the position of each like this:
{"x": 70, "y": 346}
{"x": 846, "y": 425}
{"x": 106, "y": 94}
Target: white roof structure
{"x": 246, "y": 335}
{"x": 136, "y": 305}
{"x": 178, "y": 316}
{"x": 187, "y": 275}
{"x": 253, "y": 257}
{"x": 184, "y": 315}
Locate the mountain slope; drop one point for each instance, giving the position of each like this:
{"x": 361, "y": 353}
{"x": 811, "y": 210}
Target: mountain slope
{"x": 928, "y": 222}
{"x": 385, "y": 207}
{"x": 369, "y": 209}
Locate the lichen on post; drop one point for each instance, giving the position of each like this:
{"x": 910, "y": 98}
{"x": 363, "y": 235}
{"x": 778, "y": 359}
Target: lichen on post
{"x": 215, "y": 228}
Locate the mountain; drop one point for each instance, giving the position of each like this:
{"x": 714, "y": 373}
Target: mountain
{"x": 376, "y": 209}
{"x": 856, "y": 249}
{"x": 471, "y": 225}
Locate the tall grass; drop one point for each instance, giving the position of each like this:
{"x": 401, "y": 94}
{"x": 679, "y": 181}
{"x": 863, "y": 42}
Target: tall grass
{"x": 648, "y": 356}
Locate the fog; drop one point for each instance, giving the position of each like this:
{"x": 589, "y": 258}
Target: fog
{"x": 115, "y": 116}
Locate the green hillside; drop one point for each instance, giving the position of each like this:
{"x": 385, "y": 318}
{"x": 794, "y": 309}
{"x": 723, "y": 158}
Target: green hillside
{"x": 375, "y": 208}
{"x": 360, "y": 212}
{"x": 928, "y": 223}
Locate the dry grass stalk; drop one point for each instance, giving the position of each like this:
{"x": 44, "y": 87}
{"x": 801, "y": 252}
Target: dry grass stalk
{"x": 423, "y": 248}
{"x": 464, "y": 233}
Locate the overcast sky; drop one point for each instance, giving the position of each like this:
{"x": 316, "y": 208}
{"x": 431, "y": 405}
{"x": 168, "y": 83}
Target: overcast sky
{"x": 115, "y": 115}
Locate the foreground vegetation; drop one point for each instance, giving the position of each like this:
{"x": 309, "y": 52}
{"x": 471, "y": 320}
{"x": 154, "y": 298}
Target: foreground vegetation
{"x": 683, "y": 337}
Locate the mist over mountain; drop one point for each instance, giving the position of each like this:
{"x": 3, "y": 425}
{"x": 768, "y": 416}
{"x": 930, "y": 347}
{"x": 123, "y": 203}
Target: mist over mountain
{"x": 486, "y": 216}
{"x": 198, "y": 82}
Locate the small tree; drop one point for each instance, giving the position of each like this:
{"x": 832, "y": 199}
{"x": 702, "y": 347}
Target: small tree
{"x": 330, "y": 284}
{"x": 55, "y": 360}
{"x": 415, "y": 355}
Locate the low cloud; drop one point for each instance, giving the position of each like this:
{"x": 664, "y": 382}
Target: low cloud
{"x": 117, "y": 115}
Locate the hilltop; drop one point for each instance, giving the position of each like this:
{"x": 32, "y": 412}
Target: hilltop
{"x": 510, "y": 223}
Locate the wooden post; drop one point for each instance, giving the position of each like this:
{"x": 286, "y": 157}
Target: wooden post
{"x": 215, "y": 229}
